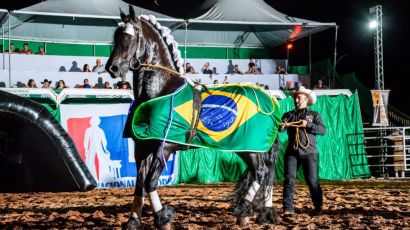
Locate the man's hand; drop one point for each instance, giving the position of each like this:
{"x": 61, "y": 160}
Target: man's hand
{"x": 284, "y": 125}
{"x": 303, "y": 123}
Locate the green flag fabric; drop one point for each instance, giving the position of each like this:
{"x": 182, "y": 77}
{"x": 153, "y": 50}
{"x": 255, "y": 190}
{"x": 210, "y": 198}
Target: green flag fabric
{"x": 234, "y": 117}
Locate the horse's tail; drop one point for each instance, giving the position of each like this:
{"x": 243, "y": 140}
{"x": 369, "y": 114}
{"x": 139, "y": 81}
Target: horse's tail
{"x": 269, "y": 158}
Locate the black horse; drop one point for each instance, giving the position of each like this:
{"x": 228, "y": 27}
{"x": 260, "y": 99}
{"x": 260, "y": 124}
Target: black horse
{"x": 148, "y": 49}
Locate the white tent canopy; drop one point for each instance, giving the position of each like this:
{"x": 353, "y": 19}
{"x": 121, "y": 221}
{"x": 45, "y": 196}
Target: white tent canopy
{"x": 74, "y": 21}
{"x": 227, "y": 23}
{"x": 245, "y": 23}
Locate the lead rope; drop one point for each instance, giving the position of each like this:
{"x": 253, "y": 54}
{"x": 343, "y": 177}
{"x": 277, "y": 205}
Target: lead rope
{"x": 171, "y": 117}
{"x": 297, "y": 142}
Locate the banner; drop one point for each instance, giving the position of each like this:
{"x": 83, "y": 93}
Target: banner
{"x": 97, "y": 132}
{"x": 380, "y": 102}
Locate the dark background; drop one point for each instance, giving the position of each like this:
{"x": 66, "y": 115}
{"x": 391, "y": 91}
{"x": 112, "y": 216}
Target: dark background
{"x": 355, "y": 39}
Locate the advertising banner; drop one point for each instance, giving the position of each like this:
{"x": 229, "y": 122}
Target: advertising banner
{"x": 97, "y": 130}
{"x": 380, "y": 102}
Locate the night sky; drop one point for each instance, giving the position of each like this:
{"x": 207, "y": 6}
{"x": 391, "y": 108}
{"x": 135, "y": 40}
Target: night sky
{"x": 355, "y": 40}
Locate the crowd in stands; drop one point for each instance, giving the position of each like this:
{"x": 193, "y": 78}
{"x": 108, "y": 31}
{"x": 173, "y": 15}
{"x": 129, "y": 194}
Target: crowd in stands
{"x": 60, "y": 85}
{"x": 99, "y": 68}
{"x": 24, "y": 50}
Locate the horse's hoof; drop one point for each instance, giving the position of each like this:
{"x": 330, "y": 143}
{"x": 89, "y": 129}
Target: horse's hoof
{"x": 268, "y": 215}
{"x": 243, "y": 221}
{"x": 133, "y": 224}
{"x": 164, "y": 217}
{"x": 165, "y": 227}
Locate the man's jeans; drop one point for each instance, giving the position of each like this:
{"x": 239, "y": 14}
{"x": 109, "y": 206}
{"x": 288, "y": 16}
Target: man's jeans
{"x": 309, "y": 165}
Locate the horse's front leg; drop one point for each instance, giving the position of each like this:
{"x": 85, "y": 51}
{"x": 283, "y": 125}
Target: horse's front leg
{"x": 163, "y": 215}
{"x": 135, "y": 221}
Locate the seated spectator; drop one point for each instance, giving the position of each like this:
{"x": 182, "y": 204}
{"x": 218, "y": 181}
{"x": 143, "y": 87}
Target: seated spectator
{"x": 251, "y": 63}
{"x": 41, "y": 51}
{"x": 253, "y": 70}
{"x": 216, "y": 82}
{"x": 236, "y": 70}
{"x": 25, "y": 50}
{"x": 225, "y": 80}
{"x": 46, "y": 84}
{"x": 206, "y": 69}
{"x": 86, "y": 84}
{"x": 107, "y": 85}
{"x": 266, "y": 87}
{"x": 11, "y": 49}
{"x": 99, "y": 67}
{"x": 120, "y": 84}
{"x": 320, "y": 85}
{"x": 60, "y": 86}
{"x": 31, "y": 84}
{"x": 86, "y": 68}
{"x": 188, "y": 67}
{"x": 288, "y": 86}
{"x": 280, "y": 70}
{"x": 99, "y": 84}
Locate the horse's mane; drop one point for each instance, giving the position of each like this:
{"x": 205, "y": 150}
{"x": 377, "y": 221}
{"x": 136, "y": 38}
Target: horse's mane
{"x": 169, "y": 40}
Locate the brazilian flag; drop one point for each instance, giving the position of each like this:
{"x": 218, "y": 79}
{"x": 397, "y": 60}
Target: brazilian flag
{"x": 234, "y": 117}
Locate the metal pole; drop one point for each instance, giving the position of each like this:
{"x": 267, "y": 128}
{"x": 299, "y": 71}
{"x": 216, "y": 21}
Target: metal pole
{"x": 185, "y": 41}
{"x": 334, "y": 59}
{"x": 310, "y": 54}
{"x": 4, "y": 55}
{"x": 8, "y": 19}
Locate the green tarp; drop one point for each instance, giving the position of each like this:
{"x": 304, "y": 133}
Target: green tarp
{"x": 341, "y": 154}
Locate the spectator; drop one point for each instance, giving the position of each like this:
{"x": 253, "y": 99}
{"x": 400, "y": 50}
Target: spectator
{"x": 236, "y": 70}
{"x": 206, "y": 69}
{"x": 280, "y": 70}
{"x": 251, "y": 64}
{"x": 100, "y": 84}
{"x": 320, "y": 85}
{"x": 86, "y": 84}
{"x": 86, "y": 68}
{"x": 288, "y": 86}
{"x": 31, "y": 84}
{"x": 266, "y": 87}
{"x": 120, "y": 84}
{"x": 253, "y": 70}
{"x": 107, "y": 85}
{"x": 99, "y": 67}
{"x": 188, "y": 68}
{"x": 46, "y": 84}
{"x": 11, "y": 49}
{"x": 25, "y": 50}
{"x": 60, "y": 86}
{"x": 216, "y": 81}
{"x": 74, "y": 67}
{"x": 225, "y": 80}
{"x": 41, "y": 51}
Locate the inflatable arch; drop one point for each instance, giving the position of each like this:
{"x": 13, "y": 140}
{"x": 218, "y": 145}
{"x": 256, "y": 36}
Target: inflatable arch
{"x": 36, "y": 153}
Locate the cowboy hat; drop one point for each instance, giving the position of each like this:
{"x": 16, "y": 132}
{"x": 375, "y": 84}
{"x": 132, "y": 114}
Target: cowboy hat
{"x": 45, "y": 80}
{"x": 307, "y": 92}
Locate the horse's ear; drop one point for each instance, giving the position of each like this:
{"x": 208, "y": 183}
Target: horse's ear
{"x": 132, "y": 12}
{"x": 123, "y": 16}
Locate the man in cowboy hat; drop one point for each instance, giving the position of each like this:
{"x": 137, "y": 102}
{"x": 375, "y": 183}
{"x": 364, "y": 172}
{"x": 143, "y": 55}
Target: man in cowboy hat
{"x": 302, "y": 125}
{"x": 46, "y": 83}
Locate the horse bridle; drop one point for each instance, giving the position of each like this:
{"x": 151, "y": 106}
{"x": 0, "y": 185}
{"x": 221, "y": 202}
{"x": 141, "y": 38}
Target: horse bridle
{"x": 135, "y": 63}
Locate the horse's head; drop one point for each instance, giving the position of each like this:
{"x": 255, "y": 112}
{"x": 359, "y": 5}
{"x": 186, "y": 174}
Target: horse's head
{"x": 149, "y": 50}
{"x": 127, "y": 42}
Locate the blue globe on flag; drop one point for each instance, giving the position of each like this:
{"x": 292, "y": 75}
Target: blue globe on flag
{"x": 218, "y": 112}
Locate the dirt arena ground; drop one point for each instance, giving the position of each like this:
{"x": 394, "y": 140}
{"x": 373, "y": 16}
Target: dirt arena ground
{"x": 358, "y": 204}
